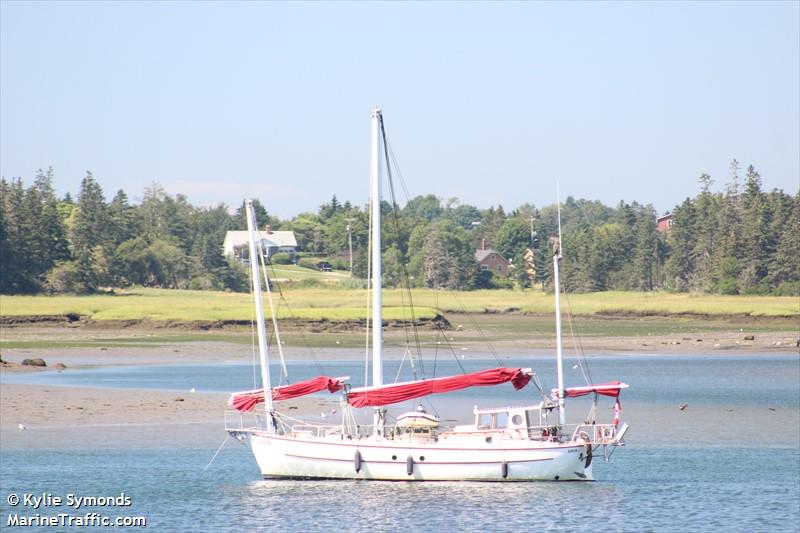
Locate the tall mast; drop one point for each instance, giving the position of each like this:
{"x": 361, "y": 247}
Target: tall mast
{"x": 377, "y": 316}
{"x": 252, "y": 232}
{"x": 562, "y": 415}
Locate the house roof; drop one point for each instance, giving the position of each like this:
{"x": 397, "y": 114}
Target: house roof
{"x": 480, "y": 255}
{"x": 273, "y": 238}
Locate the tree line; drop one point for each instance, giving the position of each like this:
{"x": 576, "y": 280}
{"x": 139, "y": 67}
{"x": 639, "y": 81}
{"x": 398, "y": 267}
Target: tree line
{"x": 739, "y": 240}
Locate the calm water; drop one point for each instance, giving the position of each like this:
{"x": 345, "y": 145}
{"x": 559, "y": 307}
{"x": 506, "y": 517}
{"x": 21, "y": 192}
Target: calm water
{"x": 643, "y": 490}
{"x": 729, "y": 380}
{"x": 730, "y": 462}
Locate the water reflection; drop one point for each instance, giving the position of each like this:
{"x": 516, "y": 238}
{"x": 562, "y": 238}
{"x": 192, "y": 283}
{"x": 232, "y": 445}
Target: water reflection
{"x": 652, "y": 488}
{"x": 440, "y": 506}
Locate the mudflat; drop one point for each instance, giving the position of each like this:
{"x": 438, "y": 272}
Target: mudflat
{"x": 36, "y": 416}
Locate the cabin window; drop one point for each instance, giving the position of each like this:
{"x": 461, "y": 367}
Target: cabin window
{"x": 501, "y": 421}
{"x": 485, "y": 421}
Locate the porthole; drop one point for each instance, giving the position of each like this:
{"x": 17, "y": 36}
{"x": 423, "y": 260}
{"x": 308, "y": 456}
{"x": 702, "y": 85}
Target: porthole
{"x": 394, "y": 458}
{"x": 516, "y": 420}
{"x": 421, "y": 457}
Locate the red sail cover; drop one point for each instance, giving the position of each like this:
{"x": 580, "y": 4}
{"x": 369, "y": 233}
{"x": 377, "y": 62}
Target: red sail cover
{"x": 398, "y": 392}
{"x": 612, "y": 388}
{"x": 247, "y": 400}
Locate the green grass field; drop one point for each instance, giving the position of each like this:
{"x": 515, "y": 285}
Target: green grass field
{"x": 341, "y": 304}
{"x": 294, "y": 273}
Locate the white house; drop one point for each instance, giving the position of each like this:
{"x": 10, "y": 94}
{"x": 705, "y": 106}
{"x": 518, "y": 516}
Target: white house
{"x": 236, "y": 245}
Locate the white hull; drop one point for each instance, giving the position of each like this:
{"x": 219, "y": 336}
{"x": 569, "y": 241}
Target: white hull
{"x": 283, "y": 456}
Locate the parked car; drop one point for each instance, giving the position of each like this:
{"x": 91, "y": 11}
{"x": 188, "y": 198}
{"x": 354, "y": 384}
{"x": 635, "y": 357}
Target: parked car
{"x": 324, "y": 266}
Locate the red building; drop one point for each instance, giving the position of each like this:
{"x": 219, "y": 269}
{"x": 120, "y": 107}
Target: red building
{"x": 492, "y": 261}
{"x": 664, "y": 223}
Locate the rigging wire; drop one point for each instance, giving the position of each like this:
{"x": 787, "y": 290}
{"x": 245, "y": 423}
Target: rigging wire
{"x": 304, "y": 340}
{"x": 481, "y": 332}
{"x": 440, "y": 329}
{"x": 273, "y": 312}
{"x": 217, "y": 452}
{"x": 583, "y": 363}
{"x": 406, "y": 292}
{"x": 538, "y": 384}
{"x": 452, "y": 349}
{"x": 253, "y": 334}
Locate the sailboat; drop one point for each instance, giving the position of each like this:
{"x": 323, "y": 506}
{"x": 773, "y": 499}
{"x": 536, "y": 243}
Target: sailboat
{"x": 510, "y": 443}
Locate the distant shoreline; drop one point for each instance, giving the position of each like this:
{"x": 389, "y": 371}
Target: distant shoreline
{"x": 464, "y": 333}
{"x": 233, "y": 350}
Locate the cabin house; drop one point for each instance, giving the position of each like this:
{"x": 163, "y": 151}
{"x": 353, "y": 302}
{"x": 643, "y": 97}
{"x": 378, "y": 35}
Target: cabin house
{"x": 492, "y": 261}
{"x": 236, "y": 245}
{"x": 664, "y": 223}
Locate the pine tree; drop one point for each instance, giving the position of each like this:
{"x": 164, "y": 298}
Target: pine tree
{"x": 784, "y": 267}
{"x": 577, "y": 271}
{"x": 19, "y": 273}
{"x": 644, "y": 254}
{"x": 49, "y": 235}
{"x": 89, "y": 230}
{"x": 706, "y": 229}
{"x": 729, "y": 223}
{"x": 165, "y": 218}
{"x": 121, "y": 218}
{"x": 680, "y": 265}
{"x": 9, "y": 253}
{"x": 756, "y": 244}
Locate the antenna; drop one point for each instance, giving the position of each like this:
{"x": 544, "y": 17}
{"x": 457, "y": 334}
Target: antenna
{"x": 558, "y": 208}
{"x": 350, "y": 240}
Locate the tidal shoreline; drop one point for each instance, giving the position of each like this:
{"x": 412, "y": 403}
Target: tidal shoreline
{"x": 56, "y": 416}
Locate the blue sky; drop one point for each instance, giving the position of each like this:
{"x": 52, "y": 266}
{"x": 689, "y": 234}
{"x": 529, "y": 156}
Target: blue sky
{"x": 488, "y": 102}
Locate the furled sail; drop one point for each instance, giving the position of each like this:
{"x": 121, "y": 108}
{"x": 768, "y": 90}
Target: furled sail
{"x": 612, "y": 388}
{"x": 247, "y": 400}
{"x": 398, "y": 392}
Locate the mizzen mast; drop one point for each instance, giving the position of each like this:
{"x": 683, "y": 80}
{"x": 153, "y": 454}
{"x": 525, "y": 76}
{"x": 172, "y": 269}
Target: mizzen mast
{"x": 562, "y": 415}
{"x": 377, "y": 315}
{"x": 252, "y": 230}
